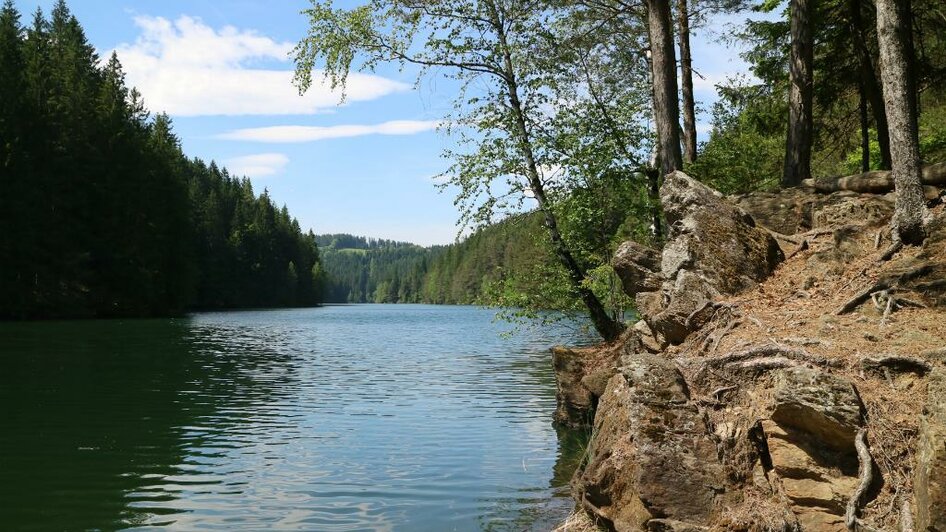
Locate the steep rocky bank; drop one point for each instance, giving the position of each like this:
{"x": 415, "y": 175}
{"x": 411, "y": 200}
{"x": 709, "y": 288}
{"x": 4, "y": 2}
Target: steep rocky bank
{"x": 788, "y": 373}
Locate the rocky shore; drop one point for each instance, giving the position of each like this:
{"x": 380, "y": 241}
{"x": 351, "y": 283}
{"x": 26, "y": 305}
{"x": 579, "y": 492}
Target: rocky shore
{"x": 788, "y": 372}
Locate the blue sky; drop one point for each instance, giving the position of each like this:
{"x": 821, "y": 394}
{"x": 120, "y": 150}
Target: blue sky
{"x": 220, "y": 68}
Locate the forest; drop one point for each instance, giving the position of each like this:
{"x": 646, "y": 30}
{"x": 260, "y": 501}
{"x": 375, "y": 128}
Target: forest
{"x": 102, "y": 214}
{"x": 575, "y": 112}
{"x": 363, "y": 270}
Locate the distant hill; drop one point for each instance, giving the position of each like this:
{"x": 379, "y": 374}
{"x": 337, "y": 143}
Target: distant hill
{"x": 367, "y": 270}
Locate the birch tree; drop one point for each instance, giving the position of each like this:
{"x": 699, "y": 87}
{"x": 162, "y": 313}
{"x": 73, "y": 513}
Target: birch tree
{"x": 484, "y": 45}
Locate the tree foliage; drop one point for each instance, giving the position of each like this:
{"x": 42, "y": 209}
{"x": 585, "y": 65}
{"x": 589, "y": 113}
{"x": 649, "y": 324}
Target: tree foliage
{"x": 509, "y": 119}
{"x": 101, "y": 214}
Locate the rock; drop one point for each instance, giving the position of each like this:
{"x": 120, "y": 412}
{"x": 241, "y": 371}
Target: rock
{"x": 637, "y": 266}
{"x": 929, "y": 483}
{"x": 575, "y": 402}
{"x": 651, "y": 457}
{"x": 581, "y": 376}
{"x": 687, "y": 294}
{"x": 797, "y": 210}
{"x": 649, "y": 304}
{"x": 817, "y": 483}
{"x": 714, "y": 249}
{"x": 787, "y": 211}
{"x": 823, "y": 405}
{"x": 649, "y": 340}
{"x": 713, "y": 237}
{"x": 809, "y": 440}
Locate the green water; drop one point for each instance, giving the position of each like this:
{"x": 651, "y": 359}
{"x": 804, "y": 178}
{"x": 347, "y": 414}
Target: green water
{"x": 365, "y": 417}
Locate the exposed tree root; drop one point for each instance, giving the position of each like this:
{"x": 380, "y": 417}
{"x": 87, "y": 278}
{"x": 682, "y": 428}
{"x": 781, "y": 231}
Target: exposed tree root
{"x": 704, "y": 306}
{"x": 770, "y": 356}
{"x": 906, "y": 517}
{"x": 719, "y": 391}
{"x": 887, "y": 283}
{"x": 862, "y": 296}
{"x": 786, "y": 238}
{"x": 801, "y": 247}
{"x": 865, "y": 478}
{"x": 891, "y": 250}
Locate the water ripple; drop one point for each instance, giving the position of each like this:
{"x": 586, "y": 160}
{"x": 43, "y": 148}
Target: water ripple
{"x": 340, "y": 418}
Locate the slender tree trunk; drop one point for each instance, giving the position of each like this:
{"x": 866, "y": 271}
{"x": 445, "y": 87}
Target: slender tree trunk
{"x": 899, "y": 97}
{"x": 686, "y": 82}
{"x": 870, "y": 85}
{"x": 608, "y": 328}
{"x": 800, "y": 98}
{"x": 666, "y": 99}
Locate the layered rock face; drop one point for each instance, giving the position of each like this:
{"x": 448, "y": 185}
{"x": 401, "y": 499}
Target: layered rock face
{"x": 744, "y": 399}
{"x": 651, "y": 455}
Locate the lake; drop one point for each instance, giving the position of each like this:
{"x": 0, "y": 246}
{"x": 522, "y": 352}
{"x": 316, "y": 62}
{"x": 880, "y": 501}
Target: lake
{"x": 361, "y": 417}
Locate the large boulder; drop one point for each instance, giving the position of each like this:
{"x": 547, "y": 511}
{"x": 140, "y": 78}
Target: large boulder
{"x": 714, "y": 249}
{"x": 929, "y": 483}
{"x": 796, "y": 210}
{"x": 820, "y": 404}
{"x": 652, "y": 456}
{"x": 688, "y": 293}
{"x": 714, "y": 237}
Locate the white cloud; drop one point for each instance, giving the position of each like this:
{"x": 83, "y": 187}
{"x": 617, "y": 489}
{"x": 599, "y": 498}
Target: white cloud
{"x": 286, "y": 134}
{"x": 187, "y": 68}
{"x": 259, "y": 165}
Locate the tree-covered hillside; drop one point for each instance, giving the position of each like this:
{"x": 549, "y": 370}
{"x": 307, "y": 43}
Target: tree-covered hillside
{"x": 505, "y": 264}
{"x": 362, "y": 270}
{"x": 101, "y": 214}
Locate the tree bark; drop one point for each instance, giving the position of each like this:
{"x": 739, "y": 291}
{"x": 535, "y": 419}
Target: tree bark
{"x": 666, "y": 101}
{"x": 899, "y": 99}
{"x": 877, "y": 181}
{"x": 870, "y": 85}
{"x": 608, "y": 328}
{"x": 800, "y": 98}
{"x": 865, "y": 129}
{"x": 686, "y": 81}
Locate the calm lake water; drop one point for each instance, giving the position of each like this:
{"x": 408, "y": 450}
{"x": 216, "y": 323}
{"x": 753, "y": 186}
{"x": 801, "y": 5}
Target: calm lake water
{"x": 367, "y": 417}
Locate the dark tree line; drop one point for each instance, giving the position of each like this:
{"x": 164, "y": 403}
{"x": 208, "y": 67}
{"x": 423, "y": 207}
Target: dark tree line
{"x": 101, "y": 214}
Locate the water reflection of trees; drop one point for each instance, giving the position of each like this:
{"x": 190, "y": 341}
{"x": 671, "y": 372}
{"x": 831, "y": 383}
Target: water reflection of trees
{"x": 100, "y": 418}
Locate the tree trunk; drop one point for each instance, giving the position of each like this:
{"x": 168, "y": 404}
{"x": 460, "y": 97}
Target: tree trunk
{"x": 800, "y": 97}
{"x": 666, "y": 101}
{"x": 899, "y": 98}
{"x": 608, "y": 328}
{"x": 865, "y": 130}
{"x": 869, "y": 82}
{"x": 686, "y": 89}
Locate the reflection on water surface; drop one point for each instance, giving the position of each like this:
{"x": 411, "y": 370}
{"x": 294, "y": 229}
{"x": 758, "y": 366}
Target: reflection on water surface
{"x": 366, "y": 417}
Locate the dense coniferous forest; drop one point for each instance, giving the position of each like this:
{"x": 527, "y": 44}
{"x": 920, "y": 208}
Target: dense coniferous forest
{"x": 363, "y": 270}
{"x": 101, "y": 213}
